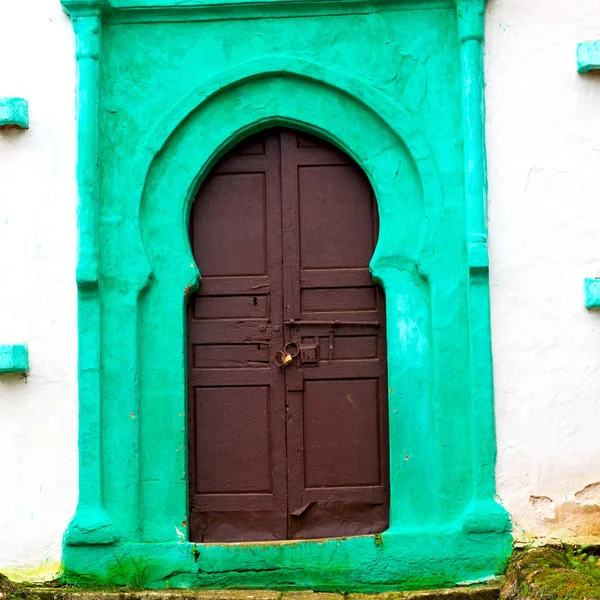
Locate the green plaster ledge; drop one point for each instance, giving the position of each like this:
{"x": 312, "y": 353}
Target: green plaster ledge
{"x": 14, "y": 358}
{"x": 14, "y": 113}
{"x": 588, "y": 57}
{"x": 591, "y": 289}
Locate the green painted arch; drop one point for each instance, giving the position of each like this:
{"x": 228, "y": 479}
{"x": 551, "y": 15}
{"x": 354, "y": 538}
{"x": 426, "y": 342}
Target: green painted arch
{"x": 250, "y": 81}
{"x": 403, "y": 186}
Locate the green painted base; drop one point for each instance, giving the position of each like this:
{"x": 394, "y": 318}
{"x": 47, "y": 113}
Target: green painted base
{"x": 14, "y": 112}
{"x": 398, "y": 561}
{"x": 14, "y": 358}
{"x": 588, "y": 57}
{"x": 91, "y": 526}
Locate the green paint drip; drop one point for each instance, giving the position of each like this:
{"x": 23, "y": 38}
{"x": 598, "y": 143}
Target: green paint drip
{"x": 163, "y": 93}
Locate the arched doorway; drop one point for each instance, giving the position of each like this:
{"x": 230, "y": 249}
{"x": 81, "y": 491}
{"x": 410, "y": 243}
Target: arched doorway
{"x": 282, "y": 231}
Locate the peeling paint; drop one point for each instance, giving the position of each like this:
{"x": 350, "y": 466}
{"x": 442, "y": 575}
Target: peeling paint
{"x": 564, "y": 518}
{"x": 590, "y": 494}
{"x": 544, "y": 506}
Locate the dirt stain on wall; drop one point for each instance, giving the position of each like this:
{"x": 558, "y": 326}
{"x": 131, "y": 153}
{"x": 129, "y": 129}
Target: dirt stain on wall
{"x": 577, "y": 517}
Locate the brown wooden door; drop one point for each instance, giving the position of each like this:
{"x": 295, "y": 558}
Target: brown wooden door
{"x": 283, "y": 230}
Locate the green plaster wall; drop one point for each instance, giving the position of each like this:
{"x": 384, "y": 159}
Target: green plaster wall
{"x": 164, "y": 92}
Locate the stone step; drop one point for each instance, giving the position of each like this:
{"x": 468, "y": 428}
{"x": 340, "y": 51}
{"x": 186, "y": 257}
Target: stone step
{"x": 489, "y": 591}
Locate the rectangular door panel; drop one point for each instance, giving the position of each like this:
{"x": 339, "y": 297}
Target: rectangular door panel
{"x": 335, "y": 214}
{"x": 239, "y": 526}
{"x": 351, "y": 347}
{"x": 334, "y": 299}
{"x": 233, "y": 426}
{"x": 232, "y": 331}
{"x": 231, "y": 307}
{"x": 341, "y": 433}
{"x": 326, "y": 278}
{"x": 230, "y": 231}
{"x": 222, "y": 356}
{"x": 338, "y": 519}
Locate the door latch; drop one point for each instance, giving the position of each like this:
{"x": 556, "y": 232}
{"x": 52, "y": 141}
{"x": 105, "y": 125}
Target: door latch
{"x": 309, "y": 353}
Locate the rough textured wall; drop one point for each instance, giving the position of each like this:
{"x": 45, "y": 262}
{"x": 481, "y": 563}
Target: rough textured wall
{"x": 544, "y": 220}
{"x": 38, "y": 415}
{"x": 544, "y": 152}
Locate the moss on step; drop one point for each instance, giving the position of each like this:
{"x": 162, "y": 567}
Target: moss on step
{"x": 490, "y": 591}
{"x": 553, "y": 573}
{"x": 13, "y": 591}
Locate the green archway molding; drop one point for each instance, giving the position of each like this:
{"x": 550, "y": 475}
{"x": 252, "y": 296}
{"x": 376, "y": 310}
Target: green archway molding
{"x": 165, "y": 88}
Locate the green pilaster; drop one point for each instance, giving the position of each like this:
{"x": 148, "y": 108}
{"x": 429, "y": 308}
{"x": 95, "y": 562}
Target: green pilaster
{"x": 91, "y": 524}
{"x": 484, "y": 515}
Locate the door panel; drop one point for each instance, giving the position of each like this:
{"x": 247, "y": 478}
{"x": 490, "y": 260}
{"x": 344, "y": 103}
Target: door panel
{"x": 337, "y": 426}
{"x": 341, "y": 420}
{"x": 224, "y": 415}
{"x": 348, "y": 299}
{"x": 335, "y": 207}
{"x": 237, "y": 413}
{"x": 221, "y": 214}
{"x": 301, "y": 451}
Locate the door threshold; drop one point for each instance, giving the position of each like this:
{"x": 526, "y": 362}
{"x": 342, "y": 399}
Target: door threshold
{"x": 291, "y": 542}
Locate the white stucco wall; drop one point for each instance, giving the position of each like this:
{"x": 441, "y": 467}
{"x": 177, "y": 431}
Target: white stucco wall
{"x": 544, "y": 173}
{"x": 38, "y": 415}
{"x": 544, "y": 231}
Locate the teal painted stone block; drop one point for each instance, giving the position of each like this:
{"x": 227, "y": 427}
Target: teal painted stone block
{"x": 588, "y": 57}
{"x": 14, "y": 112}
{"x": 14, "y": 358}
{"x": 592, "y": 293}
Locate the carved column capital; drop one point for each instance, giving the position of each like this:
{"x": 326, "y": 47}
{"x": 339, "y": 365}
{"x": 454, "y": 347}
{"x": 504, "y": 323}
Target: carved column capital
{"x": 471, "y": 17}
{"x": 81, "y": 8}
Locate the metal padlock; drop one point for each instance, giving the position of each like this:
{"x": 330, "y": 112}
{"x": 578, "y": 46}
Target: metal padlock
{"x": 283, "y": 358}
{"x": 286, "y": 356}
